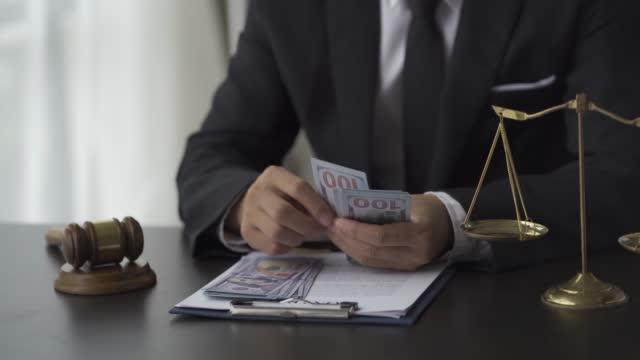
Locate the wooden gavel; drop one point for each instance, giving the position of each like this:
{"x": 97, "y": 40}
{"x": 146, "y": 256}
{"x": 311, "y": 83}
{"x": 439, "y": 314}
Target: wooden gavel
{"x": 100, "y": 243}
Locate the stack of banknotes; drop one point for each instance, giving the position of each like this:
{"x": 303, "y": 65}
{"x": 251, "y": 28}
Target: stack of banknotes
{"x": 347, "y": 191}
{"x": 267, "y": 278}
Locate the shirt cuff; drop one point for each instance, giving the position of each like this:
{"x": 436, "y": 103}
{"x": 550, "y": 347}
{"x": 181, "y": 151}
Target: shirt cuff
{"x": 464, "y": 248}
{"x": 231, "y": 240}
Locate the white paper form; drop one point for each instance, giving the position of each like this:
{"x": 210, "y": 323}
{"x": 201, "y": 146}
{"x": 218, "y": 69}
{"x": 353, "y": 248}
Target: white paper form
{"x": 378, "y": 292}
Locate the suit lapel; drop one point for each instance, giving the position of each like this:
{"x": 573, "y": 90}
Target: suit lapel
{"x": 484, "y": 32}
{"x": 353, "y": 32}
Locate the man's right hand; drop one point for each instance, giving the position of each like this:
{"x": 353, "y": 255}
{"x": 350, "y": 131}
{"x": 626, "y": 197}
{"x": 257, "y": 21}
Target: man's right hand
{"x": 279, "y": 211}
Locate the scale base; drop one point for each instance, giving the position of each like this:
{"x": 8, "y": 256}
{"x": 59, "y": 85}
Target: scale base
{"x": 583, "y": 292}
{"x": 631, "y": 242}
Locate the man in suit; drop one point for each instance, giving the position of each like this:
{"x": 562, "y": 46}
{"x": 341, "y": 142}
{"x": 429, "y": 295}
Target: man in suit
{"x": 402, "y": 89}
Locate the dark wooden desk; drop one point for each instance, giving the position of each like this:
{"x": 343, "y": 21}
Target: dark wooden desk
{"x": 477, "y": 316}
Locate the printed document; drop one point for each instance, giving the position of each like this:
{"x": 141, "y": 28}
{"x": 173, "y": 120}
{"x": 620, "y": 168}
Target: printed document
{"x": 378, "y": 292}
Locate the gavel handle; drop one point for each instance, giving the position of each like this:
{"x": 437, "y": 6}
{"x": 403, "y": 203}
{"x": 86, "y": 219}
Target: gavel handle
{"x": 54, "y": 237}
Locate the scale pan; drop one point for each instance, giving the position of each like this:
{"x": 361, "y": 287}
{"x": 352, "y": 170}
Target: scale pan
{"x": 504, "y": 230}
{"x": 630, "y": 242}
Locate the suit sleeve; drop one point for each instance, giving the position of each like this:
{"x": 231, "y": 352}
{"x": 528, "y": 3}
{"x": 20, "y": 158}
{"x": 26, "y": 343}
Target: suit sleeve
{"x": 251, "y": 125}
{"x": 605, "y": 67}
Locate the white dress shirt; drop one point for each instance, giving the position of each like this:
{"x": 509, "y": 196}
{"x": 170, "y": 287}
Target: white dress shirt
{"x": 395, "y": 17}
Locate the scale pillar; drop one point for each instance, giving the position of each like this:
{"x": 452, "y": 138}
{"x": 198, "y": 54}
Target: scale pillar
{"x": 584, "y": 291}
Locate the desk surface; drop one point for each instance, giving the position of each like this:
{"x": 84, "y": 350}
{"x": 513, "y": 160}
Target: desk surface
{"x": 476, "y": 316}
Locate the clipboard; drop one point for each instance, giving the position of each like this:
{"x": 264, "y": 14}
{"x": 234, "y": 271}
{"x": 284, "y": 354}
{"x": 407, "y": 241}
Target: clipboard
{"x": 413, "y": 314}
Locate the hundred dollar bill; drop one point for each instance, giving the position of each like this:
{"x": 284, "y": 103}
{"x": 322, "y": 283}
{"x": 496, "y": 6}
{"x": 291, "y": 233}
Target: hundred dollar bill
{"x": 266, "y": 277}
{"x": 375, "y": 206}
{"x": 330, "y": 178}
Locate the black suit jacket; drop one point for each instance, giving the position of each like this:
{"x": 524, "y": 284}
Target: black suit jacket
{"x": 313, "y": 64}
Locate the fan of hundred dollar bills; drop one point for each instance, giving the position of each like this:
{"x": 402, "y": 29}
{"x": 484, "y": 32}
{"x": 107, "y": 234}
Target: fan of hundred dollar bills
{"x": 347, "y": 191}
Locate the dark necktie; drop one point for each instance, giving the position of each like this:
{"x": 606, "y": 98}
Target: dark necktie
{"x": 423, "y": 78}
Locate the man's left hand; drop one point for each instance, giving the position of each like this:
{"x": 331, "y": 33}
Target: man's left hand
{"x": 399, "y": 246}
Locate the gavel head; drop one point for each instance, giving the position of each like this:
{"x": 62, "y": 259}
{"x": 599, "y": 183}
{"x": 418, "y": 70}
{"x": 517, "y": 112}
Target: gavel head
{"x": 101, "y": 243}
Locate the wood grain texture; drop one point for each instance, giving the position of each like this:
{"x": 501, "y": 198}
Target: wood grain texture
{"x": 110, "y": 279}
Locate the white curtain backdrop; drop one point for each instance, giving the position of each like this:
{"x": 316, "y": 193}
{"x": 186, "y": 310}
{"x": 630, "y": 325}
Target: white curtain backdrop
{"x": 96, "y": 101}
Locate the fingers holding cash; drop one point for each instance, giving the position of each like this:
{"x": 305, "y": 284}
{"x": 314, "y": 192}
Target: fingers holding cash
{"x": 284, "y": 212}
{"x": 300, "y": 192}
{"x": 382, "y": 228}
{"x": 378, "y": 228}
{"x": 400, "y": 246}
{"x": 279, "y": 211}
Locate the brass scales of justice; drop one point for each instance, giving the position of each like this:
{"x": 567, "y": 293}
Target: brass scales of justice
{"x": 584, "y": 290}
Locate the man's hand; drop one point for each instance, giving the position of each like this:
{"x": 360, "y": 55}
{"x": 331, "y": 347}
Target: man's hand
{"x": 399, "y": 246}
{"x": 279, "y": 211}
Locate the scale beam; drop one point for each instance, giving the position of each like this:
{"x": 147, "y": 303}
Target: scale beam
{"x": 523, "y": 116}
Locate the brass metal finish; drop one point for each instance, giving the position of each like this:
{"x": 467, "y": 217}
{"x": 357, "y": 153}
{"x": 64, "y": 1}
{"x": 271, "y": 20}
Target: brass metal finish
{"x": 581, "y": 108}
{"x": 635, "y": 122}
{"x": 630, "y": 242}
{"x": 504, "y": 230}
{"x": 520, "y": 229}
{"x": 583, "y": 291}
{"x": 523, "y": 116}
